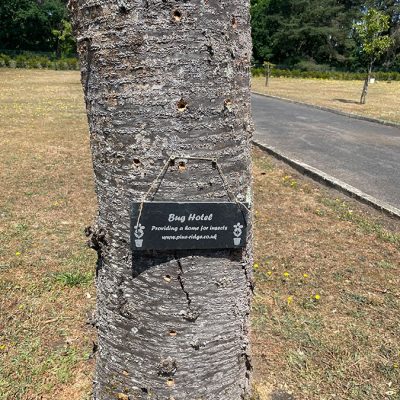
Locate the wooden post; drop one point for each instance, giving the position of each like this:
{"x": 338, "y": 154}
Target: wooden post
{"x": 267, "y": 68}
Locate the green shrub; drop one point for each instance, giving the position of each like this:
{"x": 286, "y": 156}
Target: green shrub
{"x": 5, "y": 60}
{"x": 32, "y": 60}
{"x": 336, "y": 75}
{"x": 312, "y": 66}
{"x": 20, "y": 61}
{"x": 72, "y": 63}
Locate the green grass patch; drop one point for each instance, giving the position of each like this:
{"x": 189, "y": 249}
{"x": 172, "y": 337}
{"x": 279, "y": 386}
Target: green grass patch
{"x": 73, "y": 278}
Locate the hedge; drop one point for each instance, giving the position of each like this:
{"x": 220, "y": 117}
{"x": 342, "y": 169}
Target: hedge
{"x": 31, "y": 60}
{"x": 334, "y": 75}
{"x": 38, "y": 61}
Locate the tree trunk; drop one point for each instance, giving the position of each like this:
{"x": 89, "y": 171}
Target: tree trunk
{"x": 164, "y": 78}
{"x": 364, "y": 93}
{"x": 267, "y": 75}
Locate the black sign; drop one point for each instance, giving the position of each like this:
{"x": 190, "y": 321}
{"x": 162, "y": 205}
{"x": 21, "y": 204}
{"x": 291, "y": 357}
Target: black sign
{"x": 170, "y": 226}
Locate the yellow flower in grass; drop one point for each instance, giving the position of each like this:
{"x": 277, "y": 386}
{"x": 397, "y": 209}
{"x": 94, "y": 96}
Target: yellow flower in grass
{"x": 395, "y": 365}
{"x": 269, "y": 273}
{"x": 256, "y": 266}
{"x": 18, "y": 253}
{"x": 305, "y": 276}
{"x": 317, "y": 297}
{"x": 289, "y": 300}
{"x": 286, "y": 274}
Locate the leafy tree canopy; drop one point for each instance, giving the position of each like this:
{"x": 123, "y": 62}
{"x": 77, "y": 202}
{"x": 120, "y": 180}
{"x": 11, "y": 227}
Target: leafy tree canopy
{"x": 28, "y": 24}
{"x": 308, "y": 34}
{"x": 371, "y": 29}
{"x": 300, "y": 32}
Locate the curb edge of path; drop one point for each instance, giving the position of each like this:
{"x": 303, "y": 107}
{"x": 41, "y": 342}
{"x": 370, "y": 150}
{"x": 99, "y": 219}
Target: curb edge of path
{"x": 332, "y": 110}
{"x": 330, "y": 181}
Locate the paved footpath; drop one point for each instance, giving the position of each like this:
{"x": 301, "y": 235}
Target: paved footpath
{"x": 363, "y": 154}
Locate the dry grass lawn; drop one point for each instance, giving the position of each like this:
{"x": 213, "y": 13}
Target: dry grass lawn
{"x": 46, "y": 200}
{"x": 383, "y": 101}
{"x": 326, "y": 313}
{"x": 327, "y": 303}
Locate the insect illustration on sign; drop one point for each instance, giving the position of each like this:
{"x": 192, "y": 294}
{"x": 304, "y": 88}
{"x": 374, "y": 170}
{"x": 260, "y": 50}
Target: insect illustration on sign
{"x": 237, "y": 231}
{"x": 139, "y": 233}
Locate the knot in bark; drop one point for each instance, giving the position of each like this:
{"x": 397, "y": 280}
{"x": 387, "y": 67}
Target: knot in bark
{"x": 167, "y": 367}
{"x": 190, "y": 314}
{"x": 97, "y": 238}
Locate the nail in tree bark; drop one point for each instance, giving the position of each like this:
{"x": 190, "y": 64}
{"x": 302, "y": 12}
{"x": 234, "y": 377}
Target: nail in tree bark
{"x": 163, "y": 78}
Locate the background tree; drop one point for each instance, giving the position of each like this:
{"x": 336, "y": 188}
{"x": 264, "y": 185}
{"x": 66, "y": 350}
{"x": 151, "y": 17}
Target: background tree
{"x": 391, "y": 60}
{"x": 374, "y": 42}
{"x": 165, "y": 78}
{"x": 291, "y": 31}
{"x": 66, "y": 44}
{"x": 28, "y": 24}
{"x": 268, "y": 68}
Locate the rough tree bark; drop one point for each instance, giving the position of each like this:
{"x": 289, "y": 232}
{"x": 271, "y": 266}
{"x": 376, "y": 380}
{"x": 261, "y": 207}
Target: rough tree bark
{"x": 162, "y": 78}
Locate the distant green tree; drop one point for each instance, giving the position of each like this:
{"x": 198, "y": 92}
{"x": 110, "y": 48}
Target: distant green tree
{"x": 289, "y": 31}
{"x": 28, "y": 24}
{"x": 392, "y": 9}
{"x": 66, "y": 44}
{"x": 374, "y": 41}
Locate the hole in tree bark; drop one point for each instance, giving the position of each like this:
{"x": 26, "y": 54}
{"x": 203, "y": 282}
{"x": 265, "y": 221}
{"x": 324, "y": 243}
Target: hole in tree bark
{"x": 228, "y": 104}
{"x": 234, "y": 23}
{"x": 177, "y": 16}
{"x": 172, "y": 333}
{"x": 167, "y": 278}
{"x": 170, "y": 382}
{"x": 136, "y": 162}
{"x": 182, "y": 166}
{"x": 123, "y": 10}
{"x": 182, "y": 105}
{"x": 167, "y": 367}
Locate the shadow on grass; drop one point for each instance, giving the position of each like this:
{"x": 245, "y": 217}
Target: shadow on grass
{"x": 280, "y": 395}
{"x": 347, "y": 101}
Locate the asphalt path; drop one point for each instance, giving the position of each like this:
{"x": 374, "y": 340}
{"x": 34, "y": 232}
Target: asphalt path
{"x": 363, "y": 154}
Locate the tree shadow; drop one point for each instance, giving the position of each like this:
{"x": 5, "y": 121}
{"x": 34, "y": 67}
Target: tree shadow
{"x": 147, "y": 259}
{"x": 346, "y": 101}
{"x": 281, "y": 395}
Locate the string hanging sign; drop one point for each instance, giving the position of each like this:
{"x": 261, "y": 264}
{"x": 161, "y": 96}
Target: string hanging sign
{"x": 188, "y": 225}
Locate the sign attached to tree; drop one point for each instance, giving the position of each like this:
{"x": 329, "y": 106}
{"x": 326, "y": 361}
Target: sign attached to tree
{"x": 180, "y": 226}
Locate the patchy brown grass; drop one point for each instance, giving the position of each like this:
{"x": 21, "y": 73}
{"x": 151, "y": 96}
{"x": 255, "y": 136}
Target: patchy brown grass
{"x": 46, "y": 199}
{"x": 383, "y": 101}
{"x": 343, "y": 345}
{"x": 327, "y": 304}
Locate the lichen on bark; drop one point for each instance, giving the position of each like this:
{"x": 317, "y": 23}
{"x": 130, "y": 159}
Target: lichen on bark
{"x": 163, "y": 78}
